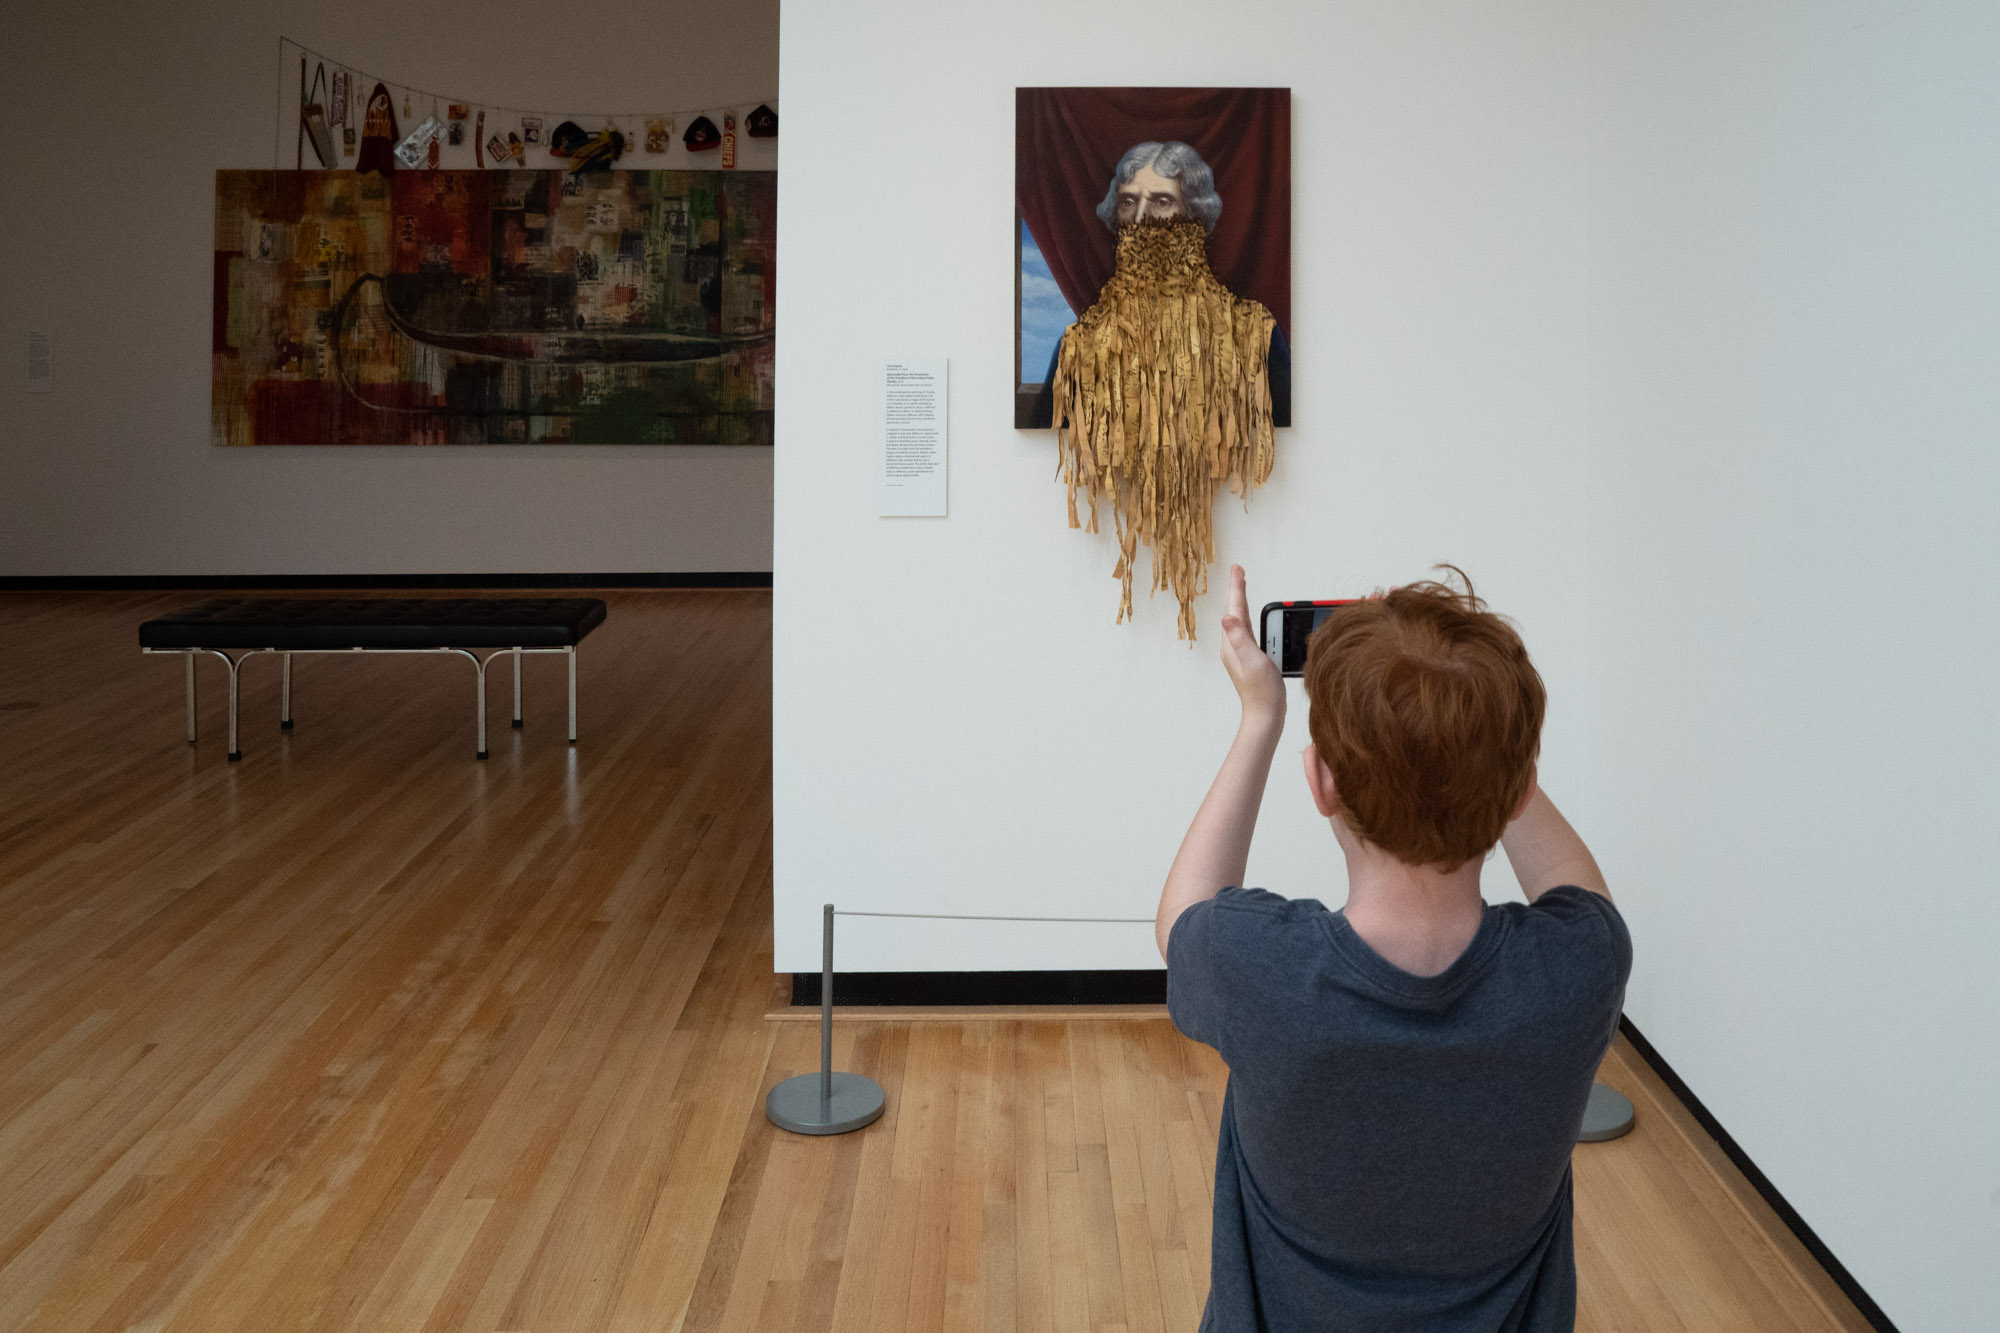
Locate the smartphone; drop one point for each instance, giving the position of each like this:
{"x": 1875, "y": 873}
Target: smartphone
{"x": 1287, "y": 626}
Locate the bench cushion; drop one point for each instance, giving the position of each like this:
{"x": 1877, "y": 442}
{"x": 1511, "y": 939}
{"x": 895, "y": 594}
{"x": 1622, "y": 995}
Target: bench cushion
{"x": 303, "y": 623}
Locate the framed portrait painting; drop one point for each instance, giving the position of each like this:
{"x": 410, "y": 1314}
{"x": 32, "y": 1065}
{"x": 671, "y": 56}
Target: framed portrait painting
{"x": 1090, "y": 161}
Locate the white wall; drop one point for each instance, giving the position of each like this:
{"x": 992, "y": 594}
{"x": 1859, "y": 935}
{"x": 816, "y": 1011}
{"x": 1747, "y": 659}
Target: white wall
{"x": 1794, "y": 414}
{"x": 119, "y": 116}
{"x": 1676, "y": 325}
{"x": 959, "y": 726}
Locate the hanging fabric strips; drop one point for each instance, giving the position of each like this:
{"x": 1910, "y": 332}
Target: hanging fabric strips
{"x": 1162, "y": 396}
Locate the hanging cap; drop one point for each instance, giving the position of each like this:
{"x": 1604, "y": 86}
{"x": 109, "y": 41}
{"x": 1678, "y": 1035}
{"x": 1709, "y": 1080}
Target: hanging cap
{"x": 701, "y": 135}
{"x": 598, "y": 152}
{"x": 761, "y": 123}
{"x": 566, "y": 138}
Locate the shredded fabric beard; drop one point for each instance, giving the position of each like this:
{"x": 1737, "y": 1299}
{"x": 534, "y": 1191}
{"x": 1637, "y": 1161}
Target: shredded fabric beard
{"x": 1162, "y": 395}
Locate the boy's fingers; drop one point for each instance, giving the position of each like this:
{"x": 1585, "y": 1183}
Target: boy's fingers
{"x": 1239, "y": 597}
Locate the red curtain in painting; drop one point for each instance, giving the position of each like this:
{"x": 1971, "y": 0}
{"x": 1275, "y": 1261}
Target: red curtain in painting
{"x": 1067, "y": 145}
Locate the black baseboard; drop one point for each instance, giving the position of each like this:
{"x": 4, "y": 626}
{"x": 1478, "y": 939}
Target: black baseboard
{"x": 1140, "y": 986}
{"x": 141, "y": 582}
{"x": 1807, "y": 1237}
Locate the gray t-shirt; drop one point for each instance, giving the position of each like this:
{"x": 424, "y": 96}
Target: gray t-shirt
{"x": 1394, "y": 1149}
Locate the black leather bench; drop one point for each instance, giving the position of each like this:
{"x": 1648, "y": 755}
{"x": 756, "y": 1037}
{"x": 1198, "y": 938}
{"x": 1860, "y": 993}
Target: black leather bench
{"x": 246, "y": 626}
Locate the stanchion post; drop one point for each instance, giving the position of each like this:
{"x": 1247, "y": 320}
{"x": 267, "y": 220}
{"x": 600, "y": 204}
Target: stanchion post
{"x": 1608, "y": 1115}
{"x": 826, "y": 1102}
{"x": 826, "y": 1016}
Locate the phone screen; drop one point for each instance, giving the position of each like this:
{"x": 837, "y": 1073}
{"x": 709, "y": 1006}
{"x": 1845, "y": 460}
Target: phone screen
{"x": 1288, "y": 625}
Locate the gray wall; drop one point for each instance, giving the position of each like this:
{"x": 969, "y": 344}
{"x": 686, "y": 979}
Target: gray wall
{"x": 119, "y": 116}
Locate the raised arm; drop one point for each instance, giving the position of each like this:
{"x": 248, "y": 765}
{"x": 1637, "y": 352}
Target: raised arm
{"x": 1546, "y": 852}
{"x": 1217, "y": 846}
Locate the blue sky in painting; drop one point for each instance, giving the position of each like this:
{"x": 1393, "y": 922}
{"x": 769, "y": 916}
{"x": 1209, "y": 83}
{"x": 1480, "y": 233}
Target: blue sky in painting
{"x": 1044, "y": 313}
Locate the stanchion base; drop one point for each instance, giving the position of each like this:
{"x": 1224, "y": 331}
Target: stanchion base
{"x": 1608, "y": 1116}
{"x": 795, "y": 1104}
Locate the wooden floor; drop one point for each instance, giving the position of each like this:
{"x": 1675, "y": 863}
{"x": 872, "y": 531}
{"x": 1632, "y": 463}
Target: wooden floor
{"x": 363, "y": 1034}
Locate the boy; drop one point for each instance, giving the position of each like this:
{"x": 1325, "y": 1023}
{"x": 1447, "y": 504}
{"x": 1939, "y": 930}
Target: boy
{"x": 1406, "y": 1075}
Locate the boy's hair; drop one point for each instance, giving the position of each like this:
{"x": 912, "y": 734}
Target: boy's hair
{"x": 1427, "y": 710}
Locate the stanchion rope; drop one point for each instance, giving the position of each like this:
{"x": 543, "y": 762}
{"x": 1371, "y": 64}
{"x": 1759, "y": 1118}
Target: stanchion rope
{"x": 955, "y": 916}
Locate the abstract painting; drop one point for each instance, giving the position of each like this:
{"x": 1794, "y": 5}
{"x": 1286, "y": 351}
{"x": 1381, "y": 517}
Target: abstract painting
{"x": 494, "y": 307}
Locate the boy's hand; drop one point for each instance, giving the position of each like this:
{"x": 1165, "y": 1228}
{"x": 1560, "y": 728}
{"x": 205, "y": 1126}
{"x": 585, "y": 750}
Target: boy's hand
{"x": 1258, "y": 682}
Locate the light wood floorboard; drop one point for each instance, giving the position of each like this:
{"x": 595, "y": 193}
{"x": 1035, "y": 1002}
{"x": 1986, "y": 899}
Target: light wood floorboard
{"x": 362, "y": 1034}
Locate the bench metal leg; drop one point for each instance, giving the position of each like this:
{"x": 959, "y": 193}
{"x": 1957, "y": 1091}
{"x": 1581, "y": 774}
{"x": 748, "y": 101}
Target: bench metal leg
{"x": 479, "y": 672}
{"x": 235, "y": 665}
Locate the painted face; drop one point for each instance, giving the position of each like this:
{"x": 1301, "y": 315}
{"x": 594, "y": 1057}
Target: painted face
{"x": 1149, "y": 197}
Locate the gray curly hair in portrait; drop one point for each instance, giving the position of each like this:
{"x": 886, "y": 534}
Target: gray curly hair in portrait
{"x": 1176, "y": 161}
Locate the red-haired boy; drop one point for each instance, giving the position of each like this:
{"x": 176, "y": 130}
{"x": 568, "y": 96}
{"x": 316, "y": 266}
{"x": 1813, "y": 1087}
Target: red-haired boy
{"x": 1407, "y": 1075}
